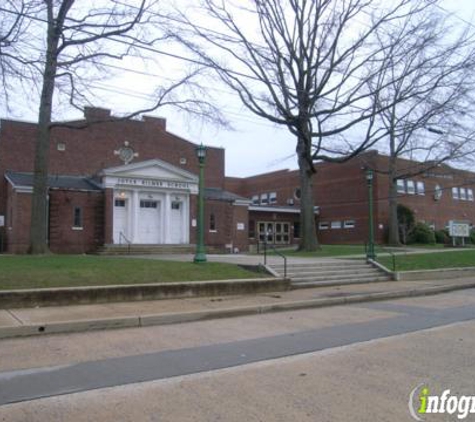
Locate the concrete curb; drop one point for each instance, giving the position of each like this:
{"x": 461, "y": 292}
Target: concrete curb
{"x": 182, "y": 317}
{"x": 438, "y": 274}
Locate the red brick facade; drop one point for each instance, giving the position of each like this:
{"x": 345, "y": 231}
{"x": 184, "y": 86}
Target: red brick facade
{"x": 341, "y": 194}
{"x": 85, "y": 149}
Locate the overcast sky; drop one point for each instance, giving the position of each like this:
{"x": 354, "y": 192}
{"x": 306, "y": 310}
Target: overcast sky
{"x": 254, "y": 146}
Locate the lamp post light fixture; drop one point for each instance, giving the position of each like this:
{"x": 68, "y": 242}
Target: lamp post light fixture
{"x": 200, "y": 255}
{"x": 370, "y": 254}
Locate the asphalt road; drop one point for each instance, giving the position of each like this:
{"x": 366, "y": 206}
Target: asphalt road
{"x": 42, "y": 378}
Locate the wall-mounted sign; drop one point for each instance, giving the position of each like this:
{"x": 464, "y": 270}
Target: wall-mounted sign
{"x": 2, "y": 220}
{"x": 241, "y": 226}
{"x": 152, "y": 183}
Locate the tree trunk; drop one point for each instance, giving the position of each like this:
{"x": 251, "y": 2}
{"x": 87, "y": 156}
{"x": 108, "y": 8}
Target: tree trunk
{"x": 393, "y": 235}
{"x": 308, "y": 235}
{"x": 39, "y": 211}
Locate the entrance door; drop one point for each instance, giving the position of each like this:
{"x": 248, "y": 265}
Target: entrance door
{"x": 120, "y": 221}
{"x": 176, "y": 221}
{"x": 274, "y": 232}
{"x": 149, "y": 222}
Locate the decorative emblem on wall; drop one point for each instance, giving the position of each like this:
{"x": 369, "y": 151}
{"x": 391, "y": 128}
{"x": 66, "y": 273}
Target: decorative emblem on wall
{"x": 126, "y": 153}
{"x": 437, "y": 192}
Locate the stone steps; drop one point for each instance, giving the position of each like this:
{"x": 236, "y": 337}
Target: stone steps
{"x": 328, "y": 273}
{"x": 145, "y": 249}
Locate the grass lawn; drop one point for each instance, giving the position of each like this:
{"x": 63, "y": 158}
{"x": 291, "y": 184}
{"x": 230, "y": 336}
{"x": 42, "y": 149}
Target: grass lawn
{"x": 429, "y": 261}
{"x": 23, "y": 272}
{"x": 327, "y": 251}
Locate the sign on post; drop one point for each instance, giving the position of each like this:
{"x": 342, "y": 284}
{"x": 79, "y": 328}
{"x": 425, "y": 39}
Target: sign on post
{"x": 459, "y": 229}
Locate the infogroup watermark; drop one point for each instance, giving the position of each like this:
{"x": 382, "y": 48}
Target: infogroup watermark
{"x": 422, "y": 403}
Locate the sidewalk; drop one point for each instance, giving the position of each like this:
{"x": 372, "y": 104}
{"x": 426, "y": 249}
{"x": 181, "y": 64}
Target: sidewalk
{"x": 64, "y": 319}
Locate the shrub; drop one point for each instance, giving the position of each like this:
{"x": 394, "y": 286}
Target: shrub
{"x": 405, "y": 219}
{"x": 471, "y": 238}
{"x": 421, "y": 233}
{"x": 442, "y": 236}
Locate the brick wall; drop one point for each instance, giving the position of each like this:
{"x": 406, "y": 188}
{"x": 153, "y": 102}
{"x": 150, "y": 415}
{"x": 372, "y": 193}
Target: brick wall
{"x": 63, "y": 236}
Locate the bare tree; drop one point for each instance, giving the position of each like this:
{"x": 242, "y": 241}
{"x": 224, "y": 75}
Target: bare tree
{"x": 75, "y": 42}
{"x": 308, "y": 65}
{"x": 429, "y": 83}
{"x": 13, "y": 29}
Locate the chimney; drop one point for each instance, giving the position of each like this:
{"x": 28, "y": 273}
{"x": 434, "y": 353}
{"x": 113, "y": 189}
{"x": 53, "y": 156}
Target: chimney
{"x": 96, "y": 114}
{"x": 161, "y": 122}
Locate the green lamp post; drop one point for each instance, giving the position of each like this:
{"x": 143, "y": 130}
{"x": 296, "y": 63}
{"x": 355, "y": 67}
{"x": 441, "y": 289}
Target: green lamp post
{"x": 200, "y": 255}
{"x": 370, "y": 254}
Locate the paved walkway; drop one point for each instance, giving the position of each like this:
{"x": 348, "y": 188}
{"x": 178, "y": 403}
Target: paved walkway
{"x": 35, "y": 321}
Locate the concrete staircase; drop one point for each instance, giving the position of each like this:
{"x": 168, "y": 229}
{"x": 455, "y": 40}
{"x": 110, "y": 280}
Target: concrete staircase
{"x": 135, "y": 249}
{"x": 145, "y": 249}
{"x": 330, "y": 273}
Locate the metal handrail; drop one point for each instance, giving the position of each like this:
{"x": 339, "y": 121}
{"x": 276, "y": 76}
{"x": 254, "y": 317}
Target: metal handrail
{"x": 384, "y": 250}
{"x": 127, "y": 241}
{"x": 278, "y": 253}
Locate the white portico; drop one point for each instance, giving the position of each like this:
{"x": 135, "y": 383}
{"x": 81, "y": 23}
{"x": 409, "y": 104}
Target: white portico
{"x": 151, "y": 202}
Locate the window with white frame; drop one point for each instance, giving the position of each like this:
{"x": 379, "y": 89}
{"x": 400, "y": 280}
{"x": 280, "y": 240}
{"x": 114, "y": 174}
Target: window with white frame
{"x": 470, "y": 194}
{"x": 77, "y": 217}
{"x": 411, "y": 187}
{"x": 463, "y": 194}
{"x": 212, "y": 222}
{"x": 272, "y": 198}
{"x": 349, "y": 224}
{"x": 455, "y": 193}
{"x": 323, "y": 225}
{"x": 264, "y": 199}
{"x": 421, "y": 190}
{"x": 401, "y": 187}
{"x": 255, "y": 199}
{"x": 336, "y": 225}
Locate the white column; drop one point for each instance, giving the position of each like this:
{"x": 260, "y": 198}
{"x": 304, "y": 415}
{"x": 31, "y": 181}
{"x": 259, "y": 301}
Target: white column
{"x": 134, "y": 217}
{"x": 185, "y": 218}
{"x": 166, "y": 218}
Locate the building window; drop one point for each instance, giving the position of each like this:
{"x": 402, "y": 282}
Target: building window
{"x": 255, "y": 200}
{"x": 420, "y": 188}
{"x": 455, "y": 193}
{"x": 77, "y": 217}
{"x": 182, "y": 160}
{"x": 212, "y": 223}
{"x": 119, "y": 202}
{"x": 400, "y": 186}
{"x": 61, "y": 146}
{"x": 463, "y": 194}
{"x": 176, "y": 205}
{"x": 336, "y": 225}
{"x": 252, "y": 229}
{"x": 297, "y": 229}
{"x": 470, "y": 194}
{"x": 323, "y": 225}
{"x": 411, "y": 188}
{"x": 264, "y": 199}
{"x": 272, "y": 198}
{"x": 297, "y": 193}
{"x": 349, "y": 224}
{"x": 148, "y": 204}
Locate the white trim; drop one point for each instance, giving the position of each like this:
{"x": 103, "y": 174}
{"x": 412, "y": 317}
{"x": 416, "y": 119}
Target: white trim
{"x": 288, "y": 210}
{"x": 113, "y": 171}
{"x": 242, "y": 202}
